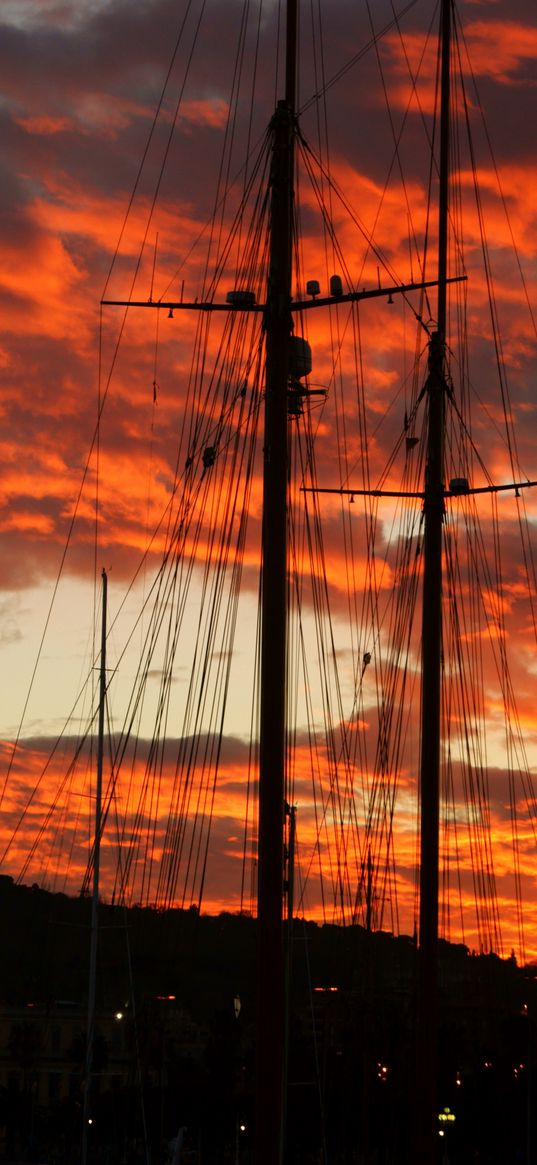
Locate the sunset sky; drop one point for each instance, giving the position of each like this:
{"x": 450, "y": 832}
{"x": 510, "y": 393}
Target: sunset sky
{"x": 81, "y": 81}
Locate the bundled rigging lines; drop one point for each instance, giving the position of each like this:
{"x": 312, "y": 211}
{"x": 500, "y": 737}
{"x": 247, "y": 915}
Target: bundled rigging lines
{"x": 477, "y": 596}
{"x": 354, "y": 570}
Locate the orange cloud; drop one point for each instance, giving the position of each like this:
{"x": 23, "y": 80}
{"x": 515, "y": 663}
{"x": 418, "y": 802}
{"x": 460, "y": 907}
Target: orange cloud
{"x": 44, "y": 125}
{"x": 69, "y": 212}
{"x": 498, "y": 48}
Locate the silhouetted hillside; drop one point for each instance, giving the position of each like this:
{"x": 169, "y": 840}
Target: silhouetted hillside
{"x": 350, "y": 1049}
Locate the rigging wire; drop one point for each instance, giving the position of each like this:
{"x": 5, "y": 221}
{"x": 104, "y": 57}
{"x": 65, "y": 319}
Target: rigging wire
{"x": 335, "y": 704}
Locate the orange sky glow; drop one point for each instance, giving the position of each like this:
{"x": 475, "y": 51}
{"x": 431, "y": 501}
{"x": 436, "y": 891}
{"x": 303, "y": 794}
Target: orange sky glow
{"x": 106, "y": 420}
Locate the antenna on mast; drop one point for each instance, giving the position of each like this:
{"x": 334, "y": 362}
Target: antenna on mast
{"x": 90, "y": 1034}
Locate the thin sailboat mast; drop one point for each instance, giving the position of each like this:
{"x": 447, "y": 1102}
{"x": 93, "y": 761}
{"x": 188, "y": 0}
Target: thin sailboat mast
{"x": 270, "y": 1072}
{"x": 435, "y": 389}
{"x": 90, "y": 1037}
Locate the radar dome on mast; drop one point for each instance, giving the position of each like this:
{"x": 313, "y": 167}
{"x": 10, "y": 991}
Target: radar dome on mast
{"x": 299, "y": 357}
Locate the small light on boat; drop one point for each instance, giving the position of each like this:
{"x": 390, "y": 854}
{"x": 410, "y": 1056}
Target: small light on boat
{"x": 90, "y": 1120}
{"x": 336, "y": 286}
{"x": 119, "y": 1015}
{"x": 440, "y": 1132}
{"x": 242, "y": 1128}
{"x": 313, "y": 287}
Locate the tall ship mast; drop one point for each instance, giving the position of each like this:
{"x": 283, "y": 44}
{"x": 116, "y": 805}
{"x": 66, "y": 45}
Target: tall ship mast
{"x": 436, "y": 389}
